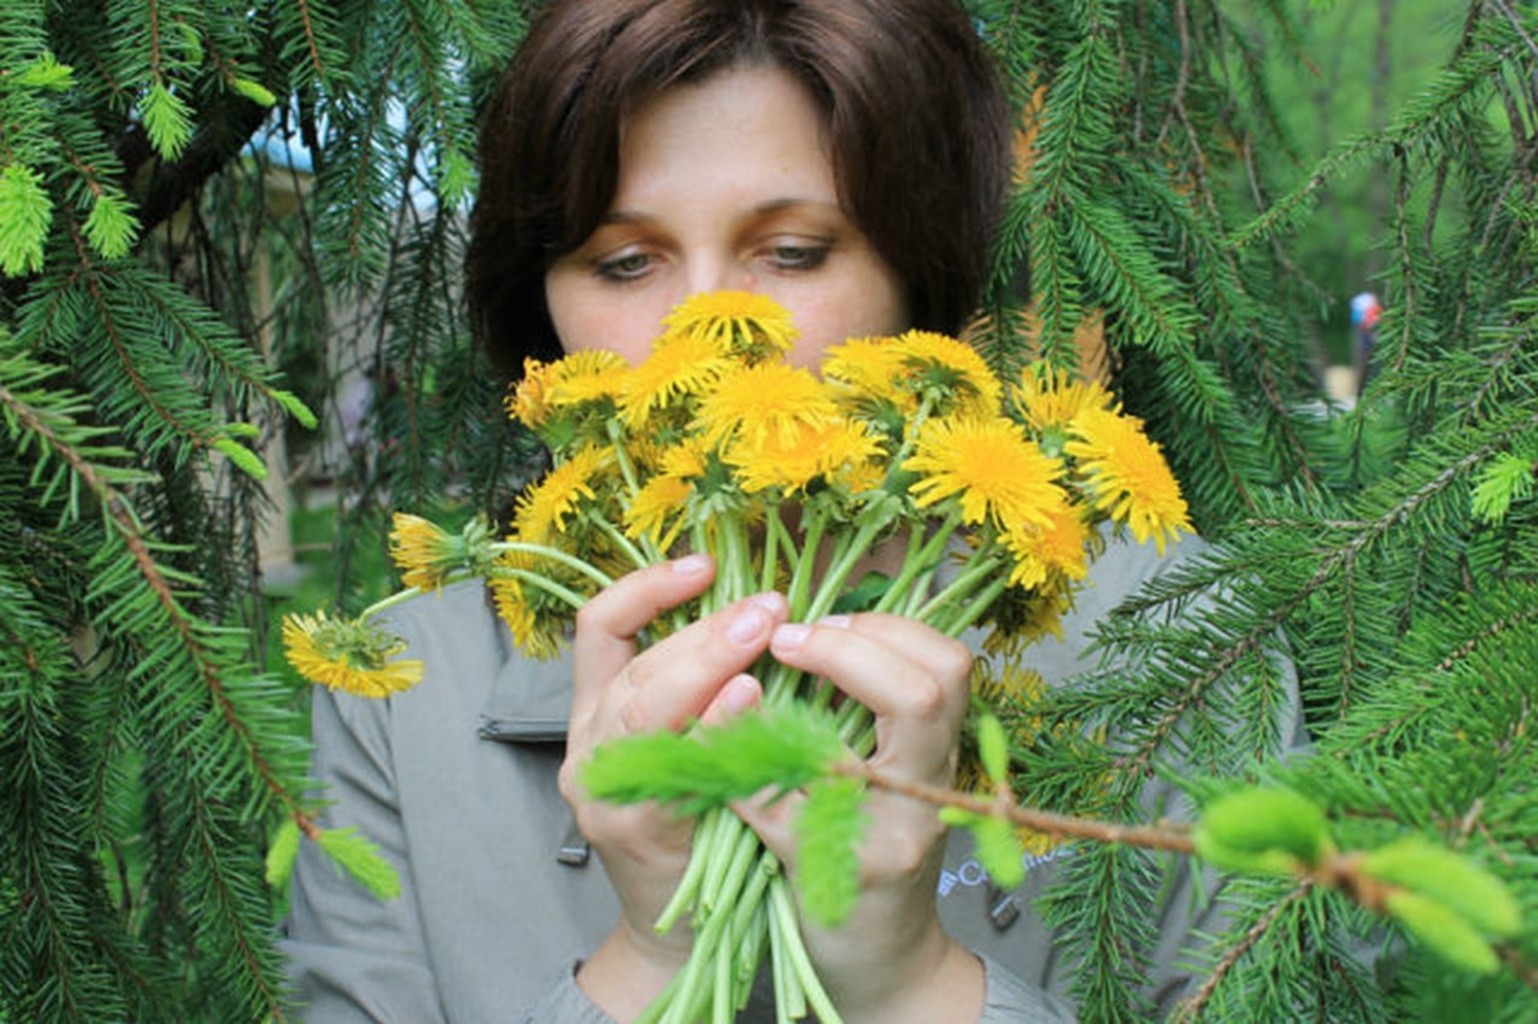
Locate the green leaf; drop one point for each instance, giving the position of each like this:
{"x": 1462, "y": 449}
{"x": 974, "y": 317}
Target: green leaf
{"x": 167, "y": 119}
{"x": 828, "y": 830}
{"x": 1267, "y": 830}
{"x": 358, "y": 856}
{"x": 995, "y": 843}
{"x": 1507, "y": 478}
{"x": 1449, "y": 878}
{"x": 243, "y": 457}
{"x": 282, "y": 853}
{"x": 25, "y": 213}
{"x": 1443, "y": 931}
{"x": 993, "y": 748}
{"x": 254, "y": 91}
{"x": 294, "y": 407}
{"x": 863, "y": 595}
{"x": 46, "y": 73}
{"x": 243, "y": 430}
{"x": 456, "y": 179}
{"x": 787, "y": 747}
{"x": 111, "y": 228}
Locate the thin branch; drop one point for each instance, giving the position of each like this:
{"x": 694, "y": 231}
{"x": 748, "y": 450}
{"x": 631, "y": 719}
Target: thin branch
{"x": 1191, "y": 1009}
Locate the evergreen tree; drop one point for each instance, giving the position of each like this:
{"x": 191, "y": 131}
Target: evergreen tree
{"x": 169, "y": 291}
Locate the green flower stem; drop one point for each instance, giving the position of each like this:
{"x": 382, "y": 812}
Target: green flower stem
{"x": 784, "y": 911}
{"x": 814, "y": 523}
{"x": 683, "y": 898}
{"x": 654, "y": 553}
{"x": 978, "y": 607}
{"x": 402, "y": 595}
{"x": 984, "y": 562}
{"x": 838, "y": 573}
{"x": 539, "y": 582}
{"x": 571, "y": 561}
{"x": 637, "y": 557}
{"x": 918, "y": 562}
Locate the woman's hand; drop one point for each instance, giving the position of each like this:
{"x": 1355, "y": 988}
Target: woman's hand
{"x": 698, "y": 672}
{"x": 891, "y": 961}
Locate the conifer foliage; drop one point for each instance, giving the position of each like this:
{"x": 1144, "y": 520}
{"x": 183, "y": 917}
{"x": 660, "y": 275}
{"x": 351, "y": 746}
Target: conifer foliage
{"x": 164, "y": 321}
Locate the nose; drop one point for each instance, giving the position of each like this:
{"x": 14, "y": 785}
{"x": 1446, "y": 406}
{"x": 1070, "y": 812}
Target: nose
{"x": 712, "y": 272}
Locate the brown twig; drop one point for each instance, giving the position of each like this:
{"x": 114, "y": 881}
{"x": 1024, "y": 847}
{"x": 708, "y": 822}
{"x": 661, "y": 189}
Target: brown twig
{"x": 1151, "y": 837}
{"x": 1190, "y": 1009}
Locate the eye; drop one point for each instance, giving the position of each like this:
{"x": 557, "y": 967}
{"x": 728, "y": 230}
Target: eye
{"x": 798, "y": 255}
{"x": 626, "y": 266}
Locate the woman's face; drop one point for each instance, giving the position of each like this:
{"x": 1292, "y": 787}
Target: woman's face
{"x": 724, "y": 184}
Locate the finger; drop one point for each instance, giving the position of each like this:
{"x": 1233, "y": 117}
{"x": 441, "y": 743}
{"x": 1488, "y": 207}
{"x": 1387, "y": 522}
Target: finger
{"x": 674, "y": 681}
{"x": 891, "y": 664}
{"x": 607, "y": 625}
{"x": 740, "y": 693}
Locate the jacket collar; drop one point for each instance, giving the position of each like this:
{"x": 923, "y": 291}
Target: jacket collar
{"x": 530, "y": 700}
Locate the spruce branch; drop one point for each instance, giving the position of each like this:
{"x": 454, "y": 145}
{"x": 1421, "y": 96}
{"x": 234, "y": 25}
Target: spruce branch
{"x": 1191, "y": 1008}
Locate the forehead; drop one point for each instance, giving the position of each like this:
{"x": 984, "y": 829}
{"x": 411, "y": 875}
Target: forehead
{"x": 755, "y": 120}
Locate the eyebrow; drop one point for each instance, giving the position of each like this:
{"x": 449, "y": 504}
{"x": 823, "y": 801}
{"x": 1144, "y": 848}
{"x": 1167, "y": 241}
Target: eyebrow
{"x": 768, "y": 206}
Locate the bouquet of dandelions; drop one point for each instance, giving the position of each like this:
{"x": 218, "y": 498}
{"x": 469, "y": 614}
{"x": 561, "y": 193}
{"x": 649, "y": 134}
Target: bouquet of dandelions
{"x": 789, "y": 479}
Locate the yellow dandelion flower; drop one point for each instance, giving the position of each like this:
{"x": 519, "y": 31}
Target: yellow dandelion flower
{"x": 951, "y": 371}
{"x": 686, "y": 460}
{"x": 1049, "y": 398}
{"x": 1061, "y": 545}
{"x": 424, "y": 552}
{"x": 680, "y": 364}
{"x": 543, "y": 509}
{"x": 347, "y": 654}
{"x": 764, "y": 401}
{"x": 1023, "y": 615}
{"x": 529, "y": 400}
{"x": 870, "y": 369}
{"x": 811, "y": 451}
{"x": 657, "y": 509}
{"x": 591, "y": 375}
{"x": 1127, "y": 475}
{"x": 859, "y": 477}
{"x": 746, "y": 325}
{"x": 996, "y": 473}
{"x": 536, "y": 630}
{"x": 428, "y": 555}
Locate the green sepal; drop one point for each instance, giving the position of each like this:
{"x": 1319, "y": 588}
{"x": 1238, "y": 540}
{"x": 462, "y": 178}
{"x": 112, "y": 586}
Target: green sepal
{"x": 358, "y": 856}
{"x": 1449, "y": 878}
{"x": 1443, "y": 931}
{"x": 282, "y": 853}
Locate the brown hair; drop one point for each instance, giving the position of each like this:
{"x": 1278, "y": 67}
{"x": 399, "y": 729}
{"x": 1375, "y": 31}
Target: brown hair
{"x": 917, "y": 120}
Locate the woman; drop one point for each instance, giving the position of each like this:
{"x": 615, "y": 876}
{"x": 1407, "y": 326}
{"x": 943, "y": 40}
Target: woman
{"x": 847, "y": 158}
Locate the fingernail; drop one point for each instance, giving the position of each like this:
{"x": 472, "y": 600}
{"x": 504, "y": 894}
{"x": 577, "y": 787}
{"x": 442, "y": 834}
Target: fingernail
{"x": 739, "y": 694}
{"x": 790, "y": 636}
{"x": 747, "y": 626}
{"x": 835, "y": 621}
{"x": 691, "y": 565}
{"x": 772, "y": 603}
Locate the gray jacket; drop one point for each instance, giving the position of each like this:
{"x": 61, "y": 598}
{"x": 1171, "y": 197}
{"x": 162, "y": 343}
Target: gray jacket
{"x": 456, "y": 781}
